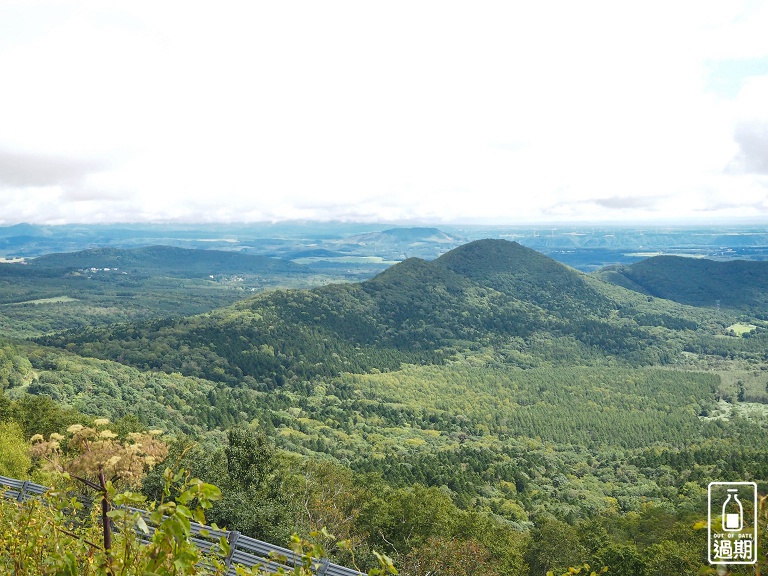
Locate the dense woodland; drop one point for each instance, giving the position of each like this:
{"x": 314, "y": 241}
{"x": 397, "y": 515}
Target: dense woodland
{"x": 735, "y": 284}
{"x": 490, "y": 411}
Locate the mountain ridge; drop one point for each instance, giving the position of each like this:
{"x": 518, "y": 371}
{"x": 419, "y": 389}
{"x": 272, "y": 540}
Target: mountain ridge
{"x": 510, "y": 299}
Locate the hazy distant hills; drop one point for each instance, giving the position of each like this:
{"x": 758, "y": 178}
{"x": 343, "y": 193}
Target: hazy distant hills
{"x": 358, "y": 250}
{"x": 21, "y": 231}
{"x": 489, "y": 293}
{"x": 406, "y": 239}
{"x": 390, "y": 246}
{"x": 285, "y": 240}
{"x": 166, "y": 260}
{"x": 106, "y": 285}
{"x": 696, "y": 281}
{"x": 404, "y": 236}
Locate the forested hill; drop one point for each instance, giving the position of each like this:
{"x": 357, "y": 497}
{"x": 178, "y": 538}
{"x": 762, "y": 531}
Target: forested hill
{"x": 492, "y": 296}
{"x": 525, "y": 274}
{"x": 696, "y": 281}
{"x": 156, "y": 260}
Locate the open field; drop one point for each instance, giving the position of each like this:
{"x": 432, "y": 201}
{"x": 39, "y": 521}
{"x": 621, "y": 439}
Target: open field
{"x": 741, "y": 328}
{"x": 53, "y": 300}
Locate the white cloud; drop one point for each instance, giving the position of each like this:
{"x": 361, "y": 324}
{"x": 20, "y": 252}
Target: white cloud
{"x": 422, "y": 110}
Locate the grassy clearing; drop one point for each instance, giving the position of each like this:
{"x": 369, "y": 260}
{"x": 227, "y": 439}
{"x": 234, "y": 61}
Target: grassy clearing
{"x": 54, "y": 300}
{"x": 723, "y": 410}
{"x": 741, "y": 328}
{"x": 753, "y": 382}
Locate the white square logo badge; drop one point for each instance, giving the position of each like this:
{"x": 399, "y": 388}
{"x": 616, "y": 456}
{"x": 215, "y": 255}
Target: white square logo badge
{"x": 732, "y": 522}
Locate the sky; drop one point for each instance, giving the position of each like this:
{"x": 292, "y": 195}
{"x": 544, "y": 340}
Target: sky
{"x": 408, "y": 111}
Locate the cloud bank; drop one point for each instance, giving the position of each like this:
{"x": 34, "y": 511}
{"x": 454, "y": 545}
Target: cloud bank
{"x": 497, "y": 112}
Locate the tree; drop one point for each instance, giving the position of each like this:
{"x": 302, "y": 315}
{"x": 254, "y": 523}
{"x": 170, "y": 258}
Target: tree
{"x": 406, "y": 518}
{"x": 669, "y": 558}
{"x": 330, "y": 499}
{"x": 555, "y": 546}
{"x": 443, "y": 556}
{"x": 14, "y": 460}
{"x": 622, "y": 560}
{"x": 255, "y": 500}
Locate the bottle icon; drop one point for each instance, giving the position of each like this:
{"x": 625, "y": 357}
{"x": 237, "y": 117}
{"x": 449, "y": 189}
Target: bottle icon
{"x": 733, "y": 512}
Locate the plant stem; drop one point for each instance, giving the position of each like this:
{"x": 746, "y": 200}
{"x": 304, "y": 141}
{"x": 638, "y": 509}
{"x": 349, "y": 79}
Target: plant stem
{"x": 106, "y": 522}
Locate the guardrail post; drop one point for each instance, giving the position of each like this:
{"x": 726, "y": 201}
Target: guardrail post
{"x": 232, "y": 538}
{"x": 22, "y": 491}
{"x": 323, "y": 567}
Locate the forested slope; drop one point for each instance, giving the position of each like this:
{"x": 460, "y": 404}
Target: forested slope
{"x": 487, "y": 294}
{"x": 740, "y": 284}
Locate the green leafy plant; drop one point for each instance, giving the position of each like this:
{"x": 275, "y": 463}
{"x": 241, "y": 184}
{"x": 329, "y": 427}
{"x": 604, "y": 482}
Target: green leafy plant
{"x": 122, "y": 534}
{"x": 95, "y": 457}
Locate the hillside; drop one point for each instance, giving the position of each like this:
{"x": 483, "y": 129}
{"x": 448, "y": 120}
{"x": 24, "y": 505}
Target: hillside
{"x": 490, "y": 295}
{"x": 738, "y": 284}
{"x": 106, "y": 285}
{"x": 524, "y": 274}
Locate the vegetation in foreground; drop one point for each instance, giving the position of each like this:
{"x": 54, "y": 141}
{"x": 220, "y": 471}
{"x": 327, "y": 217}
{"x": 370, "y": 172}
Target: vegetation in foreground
{"x": 57, "y": 534}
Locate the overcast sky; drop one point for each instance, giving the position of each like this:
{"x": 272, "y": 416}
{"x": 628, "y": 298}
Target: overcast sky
{"x": 495, "y": 112}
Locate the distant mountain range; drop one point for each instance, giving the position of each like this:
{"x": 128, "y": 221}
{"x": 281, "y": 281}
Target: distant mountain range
{"x": 360, "y": 250}
{"x": 501, "y": 265}
{"x": 391, "y": 245}
{"x": 405, "y": 239}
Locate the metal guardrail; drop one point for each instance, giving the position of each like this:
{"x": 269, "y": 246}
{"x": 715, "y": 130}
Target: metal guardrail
{"x": 244, "y": 550}
{"x": 21, "y": 490}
